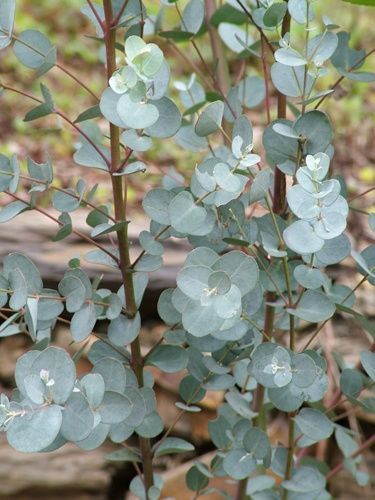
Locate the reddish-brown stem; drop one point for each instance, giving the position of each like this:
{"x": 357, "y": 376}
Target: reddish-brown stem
{"x": 119, "y": 13}
{"x": 218, "y": 84}
{"x": 63, "y": 116}
{"x": 57, "y": 65}
{"x": 279, "y": 182}
{"x": 96, "y": 14}
{"x": 222, "y": 70}
{"x": 341, "y": 78}
{"x": 361, "y": 194}
{"x": 129, "y": 152}
{"x": 266, "y": 79}
{"x": 250, "y": 16}
{"x": 77, "y": 80}
{"x": 120, "y": 207}
{"x": 321, "y": 326}
{"x": 74, "y": 231}
{"x": 68, "y": 193}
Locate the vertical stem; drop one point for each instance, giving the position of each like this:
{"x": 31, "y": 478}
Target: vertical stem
{"x": 258, "y": 407}
{"x": 119, "y": 201}
{"x": 220, "y": 60}
{"x": 306, "y": 44}
{"x": 269, "y": 317}
{"x": 223, "y": 76}
{"x": 266, "y": 78}
{"x": 279, "y": 182}
{"x": 278, "y": 205}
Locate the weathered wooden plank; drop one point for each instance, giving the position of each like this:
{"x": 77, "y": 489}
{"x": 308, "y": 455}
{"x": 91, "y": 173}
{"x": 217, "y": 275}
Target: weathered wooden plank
{"x": 32, "y": 232}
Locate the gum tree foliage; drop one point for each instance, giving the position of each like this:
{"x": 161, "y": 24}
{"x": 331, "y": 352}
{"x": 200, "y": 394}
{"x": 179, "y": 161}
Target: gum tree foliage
{"x": 236, "y": 320}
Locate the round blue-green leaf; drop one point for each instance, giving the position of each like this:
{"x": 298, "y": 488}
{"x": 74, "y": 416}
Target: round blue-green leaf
{"x": 242, "y": 270}
{"x": 83, "y": 322}
{"x": 235, "y": 37}
{"x": 34, "y": 50}
{"x": 284, "y": 400}
{"x": 301, "y": 238}
{"x": 138, "y": 115}
{"x": 151, "y": 426}
{"x": 201, "y": 256}
{"x": 201, "y": 320}
{"x": 35, "y": 388}
{"x": 289, "y": 57}
{"x": 96, "y": 437}
{"x": 113, "y": 373}
{"x": 193, "y": 280}
{"x": 279, "y": 148}
{"x": 314, "y": 306}
{"x": 316, "y": 127}
{"x": 184, "y": 215}
{"x": 6, "y": 167}
{"x": 274, "y": 14}
{"x": 168, "y": 358}
{"x": 108, "y": 107}
{"x": 334, "y": 250}
{"x": 314, "y": 424}
{"x": 8, "y": 212}
{"x": 256, "y": 442}
{"x": 22, "y": 265}
{"x": 61, "y": 370}
{"x": 210, "y": 119}
{"x": 48, "y": 308}
{"x": 238, "y": 463}
{"x": 119, "y": 433}
{"x": 167, "y": 312}
{"x": 173, "y": 445}
{"x": 264, "y": 358}
{"x": 159, "y": 85}
{"x": 94, "y": 387}
{"x": 78, "y": 418}
{"x": 304, "y": 370}
{"x": 188, "y": 139}
{"x": 321, "y": 47}
{"x": 23, "y": 367}
{"x": 195, "y": 479}
{"x": 114, "y": 408}
{"x": 123, "y": 330}
{"x": 308, "y": 277}
{"x": 138, "y": 489}
{"x": 138, "y": 406}
{"x": 7, "y": 11}
{"x": 261, "y": 484}
{"x": 191, "y": 390}
{"x": 300, "y": 11}
{"x": 251, "y": 91}
{"x": 169, "y": 119}
{"x": 302, "y": 203}
{"x": 226, "y": 179}
{"x": 192, "y": 16}
{"x": 134, "y": 141}
{"x": 305, "y": 480}
{"x": 351, "y": 382}
{"x": 36, "y": 430}
{"x": 156, "y": 203}
{"x": 330, "y": 225}
{"x": 228, "y": 305}
{"x": 368, "y": 363}
{"x": 220, "y": 282}
{"x": 76, "y": 288}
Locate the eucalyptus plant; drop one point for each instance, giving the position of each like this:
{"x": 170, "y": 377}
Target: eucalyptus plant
{"x": 264, "y": 223}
